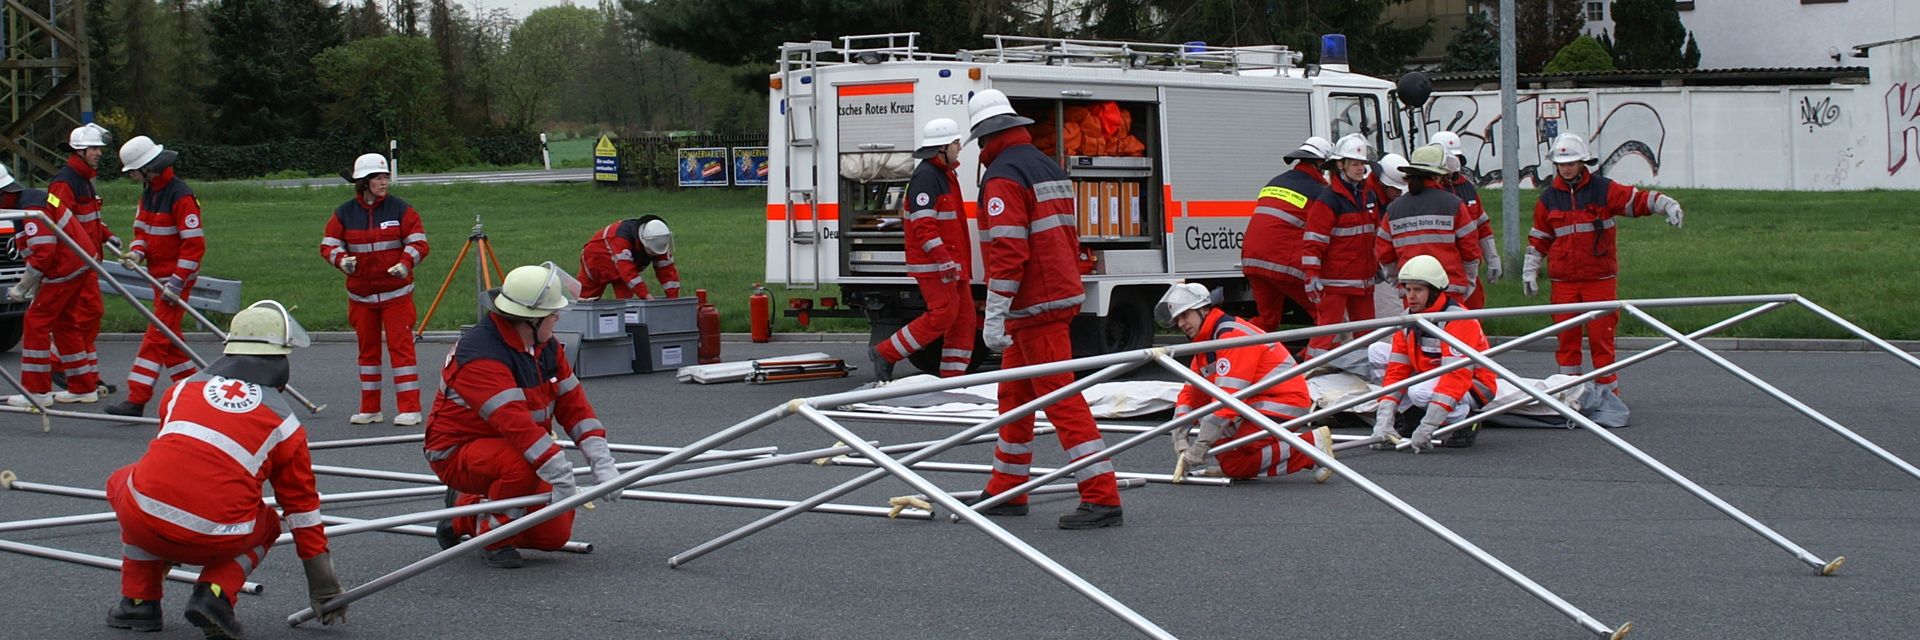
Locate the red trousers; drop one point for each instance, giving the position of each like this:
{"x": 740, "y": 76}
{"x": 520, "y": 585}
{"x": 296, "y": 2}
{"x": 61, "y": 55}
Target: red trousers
{"x": 64, "y": 316}
{"x": 393, "y": 320}
{"x": 1335, "y": 308}
{"x": 150, "y": 546}
{"x": 1265, "y": 457}
{"x": 1599, "y": 330}
{"x": 1072, "y": 420}
{"x": 490, "y": 469}
{"x": 597, "y": 272}
{"x": 950, "y": 318}
{"x": 1478, "y": 299}
{"x": 1271, "y": 294}
{"x": 158, "y": 358}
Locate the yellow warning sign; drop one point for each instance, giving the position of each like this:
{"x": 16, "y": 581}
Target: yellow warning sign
{"x": 606, "y": 160}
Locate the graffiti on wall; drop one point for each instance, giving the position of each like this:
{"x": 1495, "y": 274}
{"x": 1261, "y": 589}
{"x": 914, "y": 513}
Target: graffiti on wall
{"x": 1818, "y": 114}
{"x": 1903, "y": 135}
{"x": 1628, "y": 132}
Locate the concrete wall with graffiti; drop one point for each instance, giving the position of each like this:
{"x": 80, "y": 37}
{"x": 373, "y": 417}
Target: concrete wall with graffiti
{"x": 1800, "y": 138}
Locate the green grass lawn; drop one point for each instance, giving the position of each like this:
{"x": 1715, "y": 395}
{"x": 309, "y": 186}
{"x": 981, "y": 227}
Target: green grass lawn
{"x": 1847, "y": 251}
{"x": 270, "y": 238}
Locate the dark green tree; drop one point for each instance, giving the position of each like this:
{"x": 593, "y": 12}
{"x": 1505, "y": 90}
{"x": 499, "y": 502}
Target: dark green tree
{"x": 1541, "y": 28}
{"x": 1690, "y": 59}
{"x": 365, "y": 21}
{"x": 1648, "y": 34}
{"x": 1476, "y": 46}
{"x": 1583, "y": 54}
{"x": 387, "y": 88}
{"x": 264, "y": 86}
{"x": 750, "y": 31}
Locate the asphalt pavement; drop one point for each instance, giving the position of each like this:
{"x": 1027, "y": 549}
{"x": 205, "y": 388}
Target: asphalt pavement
{"x": 1278, "y": 557}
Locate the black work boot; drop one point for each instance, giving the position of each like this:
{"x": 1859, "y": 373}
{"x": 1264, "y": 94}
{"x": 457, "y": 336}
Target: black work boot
{"x": 443, "y": 530}
{"x": 501, "y": 558}
{"x": 212, "y": 613}
{"x": 1092, "y": 516}
{"x": 1002, "y": 509}
{"x": 1460, "y": 438}
{"x": 882, "y": 367}
{"x": 124, "y": 408}
{"x": 138, "y": 615}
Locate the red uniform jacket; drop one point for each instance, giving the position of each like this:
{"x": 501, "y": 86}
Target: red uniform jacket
{"x": 1414, "y": 352}
{"x": 1032, "y": 240}
{"x": 936, "y": 233}
{"x": 378, "y": 236}
{"x": 1272, "y": 245}
{"x": 42, "y": 247}
{"x": 621, "y": 242}
{"x": 167, "y": 228}
{"x": 1237, "y": 368}
{"x": 493, "y": 386}
{"x": 1338, "y": 244}
{"x": 219, "y": 439}
{"x": 1433, "y": 222}
{"x": 74, "y": 186}
{"x": 1464, "y": 188}
{"x": 1573, "y": 225}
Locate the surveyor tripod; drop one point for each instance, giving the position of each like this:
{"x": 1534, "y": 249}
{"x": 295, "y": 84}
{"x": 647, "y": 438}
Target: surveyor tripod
{"x": 486, "y": 267}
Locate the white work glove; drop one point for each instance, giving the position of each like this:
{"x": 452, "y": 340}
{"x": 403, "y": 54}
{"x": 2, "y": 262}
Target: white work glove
{"x": 348, "y": 264}
{"x": 174, "y": 285}
{"x": 323, "y": 585}
{"x": 1492, "y": 256}
{"x": 950, "y": 272}
{"x": 398, "y": 270}
{"x": 600, "y": 458}
{"x": 1383, "y": 418}
{"x": 994, "y": 332}
{"x": 1423, "y": 434}
{"x": 1473, "y": 271}
{"x": 1314, "y": 288}
{"x": 131, "y": 260}
{"x": 559, "y": 473}
{"x": 1530, "y": 275}
{"x": 1666, "y": 205}
{"x": 1182, "y": 438}
{"x": 28, "y": 286}
{"x": 1194, "y": 456}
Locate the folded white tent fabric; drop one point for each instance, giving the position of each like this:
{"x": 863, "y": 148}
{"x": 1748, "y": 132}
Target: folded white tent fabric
{"x": 735, "y": 371}
{"x": 1136, "y": 398}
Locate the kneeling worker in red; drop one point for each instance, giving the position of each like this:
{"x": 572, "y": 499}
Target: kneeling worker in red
{"x": 1448, "y": 398}
{"x": 1189, "y": 307}
{"x": 195, "y": 497}
{"x": 502, "y": 390}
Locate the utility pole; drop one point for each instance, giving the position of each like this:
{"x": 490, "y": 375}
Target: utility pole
{"x": 1509, "y": 146}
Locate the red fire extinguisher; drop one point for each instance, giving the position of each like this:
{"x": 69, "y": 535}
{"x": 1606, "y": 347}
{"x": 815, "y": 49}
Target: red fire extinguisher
{"x": 709, "y": 321}
{"x": 760, "y": 313}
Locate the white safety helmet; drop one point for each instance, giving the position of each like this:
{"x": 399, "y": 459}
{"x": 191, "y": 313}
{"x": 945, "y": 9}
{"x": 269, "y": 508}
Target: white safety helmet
{"x": 989, "y": 112}
{"x": 1353, "y": 146}
{"x": 536, "y": 291}
{"x": 1424, "y": 269}
{"x": 139, "y": 152}
{"x": 1315, "y": 148}
{"x": 1569, "y": 147}
{"x": 1428, "y": 160}
{"x": 87, "y": 136}
{"x": 1181, "y": 298}
{"x": 938, "y": 133}
{"x": 265, "y": 329}
{"x": 1448, "y": 141}
{"x": 1390, "y": 175}
{"x": 369, "y": 164}
{"x": 7, "y": 183}
{"x": 656, "y": 237}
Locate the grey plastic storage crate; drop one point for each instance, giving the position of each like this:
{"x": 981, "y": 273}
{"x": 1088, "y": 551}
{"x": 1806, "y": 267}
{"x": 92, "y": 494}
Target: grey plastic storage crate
{"x": 596, "y": 358}
{"x": 669, "y": 315}
{"x": 595, "y": 319}
{"x": 664, "y": 351}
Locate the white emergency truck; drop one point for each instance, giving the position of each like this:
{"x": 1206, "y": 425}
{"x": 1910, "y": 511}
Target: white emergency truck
{"x": 1168, "y": 146}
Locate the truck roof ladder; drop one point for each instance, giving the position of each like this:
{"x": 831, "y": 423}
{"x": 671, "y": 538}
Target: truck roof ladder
{"x": 798, "y": 62}
{"x": 1191, "y": 57}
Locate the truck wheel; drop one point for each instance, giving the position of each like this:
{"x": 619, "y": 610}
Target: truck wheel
{"x": 1128, "y": 326}
{"x": 9, "y": 333}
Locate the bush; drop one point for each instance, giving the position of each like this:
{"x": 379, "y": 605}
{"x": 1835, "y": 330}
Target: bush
{"x": 506, "y": 150}
{"x": 1583, "y": 54}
